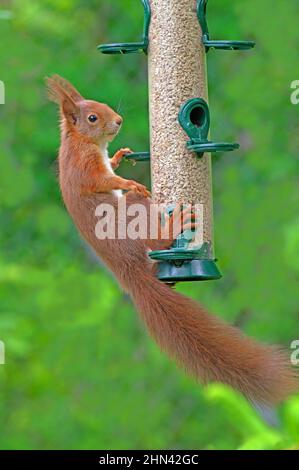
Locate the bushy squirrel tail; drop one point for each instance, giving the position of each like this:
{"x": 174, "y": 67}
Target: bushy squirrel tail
{"x": 209, "y": 349}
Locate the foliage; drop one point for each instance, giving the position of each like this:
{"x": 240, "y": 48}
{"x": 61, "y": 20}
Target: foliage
{"x": 80, "y": 371}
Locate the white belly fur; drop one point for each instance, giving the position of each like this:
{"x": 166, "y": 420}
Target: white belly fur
{"x": 118, "y": 193}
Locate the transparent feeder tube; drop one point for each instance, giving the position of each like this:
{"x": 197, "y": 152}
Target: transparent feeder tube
{"x": 177, "y": 73}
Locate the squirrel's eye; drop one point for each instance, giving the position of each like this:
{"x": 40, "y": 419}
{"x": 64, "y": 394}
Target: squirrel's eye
{"x": 92, "y": 118}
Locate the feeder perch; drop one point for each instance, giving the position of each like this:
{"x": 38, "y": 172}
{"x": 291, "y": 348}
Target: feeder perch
{"x": 220, "y": 44}
{"x": 138, "y": 156}
{"x": 131, "y": 47}
{"x": 194, "y": 118}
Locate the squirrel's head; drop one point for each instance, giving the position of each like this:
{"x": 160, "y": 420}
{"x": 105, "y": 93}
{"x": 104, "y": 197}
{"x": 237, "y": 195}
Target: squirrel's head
{"x": 89, "y": 118}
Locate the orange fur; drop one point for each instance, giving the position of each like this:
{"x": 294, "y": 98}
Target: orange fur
{"x": 205, "y": 346}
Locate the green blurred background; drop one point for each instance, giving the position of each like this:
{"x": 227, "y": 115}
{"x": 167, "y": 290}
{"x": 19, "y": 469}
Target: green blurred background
{"x": 80, "y": 371}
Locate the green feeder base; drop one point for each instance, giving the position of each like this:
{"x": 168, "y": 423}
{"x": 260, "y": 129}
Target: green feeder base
{"x": 195, "y": 270}
{"x": 182, "y": 263}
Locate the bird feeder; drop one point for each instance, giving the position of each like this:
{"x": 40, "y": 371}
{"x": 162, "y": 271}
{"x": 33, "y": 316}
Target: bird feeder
{"x": 176, "y": 39}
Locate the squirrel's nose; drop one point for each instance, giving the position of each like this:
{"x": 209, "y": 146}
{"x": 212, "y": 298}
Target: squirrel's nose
{"x": 119, "y": 121}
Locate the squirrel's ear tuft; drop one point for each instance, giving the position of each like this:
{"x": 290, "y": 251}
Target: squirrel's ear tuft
{"x": 58, "y": 87}
{"x": 55, "y": 92}
{"x": 58, "y": 93}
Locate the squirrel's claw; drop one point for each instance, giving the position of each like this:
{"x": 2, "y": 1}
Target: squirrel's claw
{"x": 139, "y": 188}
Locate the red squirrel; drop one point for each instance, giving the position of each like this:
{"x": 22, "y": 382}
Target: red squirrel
{"x": 206, "y": 347}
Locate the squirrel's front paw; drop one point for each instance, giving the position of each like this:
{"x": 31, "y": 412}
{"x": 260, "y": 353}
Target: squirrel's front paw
{"x": 117, "y": 158}
{"x": 138, "y": 188}
{"x": 122, "y": 152}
